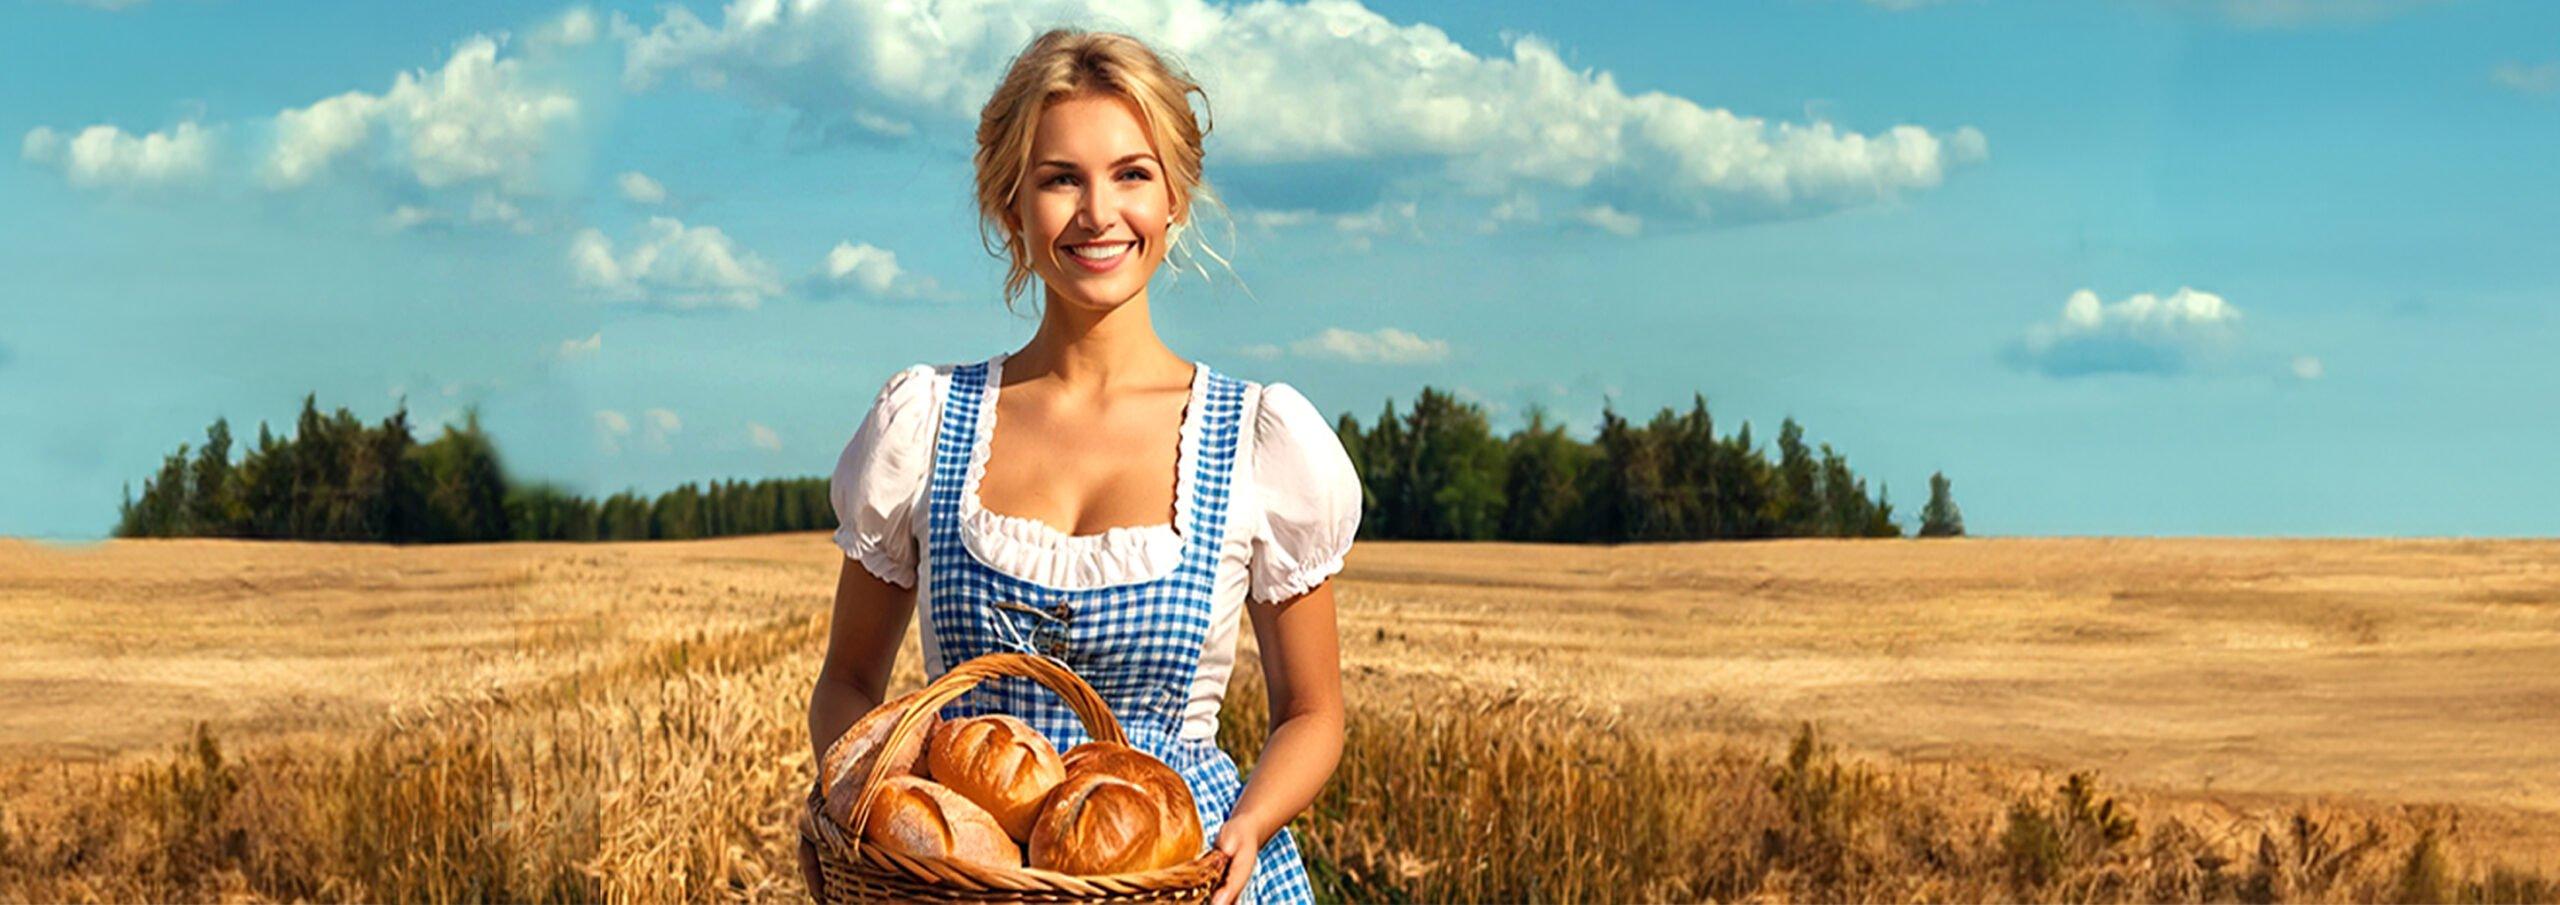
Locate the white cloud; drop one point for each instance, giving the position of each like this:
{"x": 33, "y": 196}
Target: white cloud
{"x": 611, "y": 428}
{"x": 864, "y": 268}
{"x": 656, "y": 426}
{"x": 1260, "y": 351}
{"x": 669, "y": 264}
{"x": 1610, "y": 219}
{"x": 2143, "y": 334}
{"x": 104, "y": 156}
{"x": 1315, "y": 82}
{"x": 409, "y": 216}
{"x": 576, "y": 27}
{"x": 638, "y": 188}
{"x": 2308, "y": 367}
{"x": 488, "y": 208}
{"x": 477, "y": 118}
{"x": 573, "y": 349}
{"x": 762, "y": 437}
{"x": 2541, "y": 79}
{"x": 1386, "y": 345}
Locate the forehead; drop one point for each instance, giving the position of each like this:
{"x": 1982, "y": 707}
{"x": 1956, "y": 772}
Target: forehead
{"x": 1093, "y": 128}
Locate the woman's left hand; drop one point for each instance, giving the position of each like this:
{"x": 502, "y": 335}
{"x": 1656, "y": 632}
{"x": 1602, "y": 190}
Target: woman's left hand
{"x": 1238, "y": 843}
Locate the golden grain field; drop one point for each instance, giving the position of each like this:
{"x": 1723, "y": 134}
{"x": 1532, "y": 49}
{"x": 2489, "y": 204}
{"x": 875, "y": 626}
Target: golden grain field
{"x": 1984, "y": 719}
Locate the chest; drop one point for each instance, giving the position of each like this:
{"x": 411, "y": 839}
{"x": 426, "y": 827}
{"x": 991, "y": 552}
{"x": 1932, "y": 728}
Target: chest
{"x": 1085, "y": 469}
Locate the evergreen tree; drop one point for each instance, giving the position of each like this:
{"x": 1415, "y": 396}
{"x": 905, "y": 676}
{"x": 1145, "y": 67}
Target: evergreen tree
{"x": 211, "y": 491}
{"x": 1800, "y": 503}
{"x": 1940, "y": 517}
{"x": 1543, "y": 491}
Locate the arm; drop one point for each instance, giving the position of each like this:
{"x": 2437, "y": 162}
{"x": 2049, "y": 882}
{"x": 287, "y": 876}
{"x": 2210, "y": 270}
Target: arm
{"x": 1302, "y": 672}
{"x": 863, "y": 634}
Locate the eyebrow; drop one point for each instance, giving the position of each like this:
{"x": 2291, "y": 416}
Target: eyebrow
{"x": 1069, "y": 165}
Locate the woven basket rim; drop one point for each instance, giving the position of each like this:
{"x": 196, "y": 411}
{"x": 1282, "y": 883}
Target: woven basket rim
{"x": 843, "y": 846}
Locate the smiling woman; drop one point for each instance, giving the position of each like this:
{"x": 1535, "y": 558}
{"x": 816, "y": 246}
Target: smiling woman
{"x": 1078, "y": 98}
{"x": 1096, "y": 499}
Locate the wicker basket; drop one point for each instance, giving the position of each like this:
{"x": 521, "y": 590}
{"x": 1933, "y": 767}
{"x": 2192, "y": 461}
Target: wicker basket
{"x": 853, "y": 872}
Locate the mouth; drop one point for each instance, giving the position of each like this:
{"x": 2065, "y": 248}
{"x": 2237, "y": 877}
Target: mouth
{"x": 1100, "y": 257}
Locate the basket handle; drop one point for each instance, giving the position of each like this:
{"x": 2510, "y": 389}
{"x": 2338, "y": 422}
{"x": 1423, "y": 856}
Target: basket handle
{"x": 957, "y": 681}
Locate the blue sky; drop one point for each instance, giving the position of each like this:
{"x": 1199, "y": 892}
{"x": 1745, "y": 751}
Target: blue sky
{"x": 2231, "y": 267}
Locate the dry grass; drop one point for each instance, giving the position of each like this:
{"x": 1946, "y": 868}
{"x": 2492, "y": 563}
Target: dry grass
{"x": 603, "y": 751}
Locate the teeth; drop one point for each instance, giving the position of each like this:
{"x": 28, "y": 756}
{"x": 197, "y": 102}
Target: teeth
{"x": 1098, "y": 252}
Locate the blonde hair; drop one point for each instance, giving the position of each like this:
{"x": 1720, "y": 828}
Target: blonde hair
{"x": 1064, "y": 62}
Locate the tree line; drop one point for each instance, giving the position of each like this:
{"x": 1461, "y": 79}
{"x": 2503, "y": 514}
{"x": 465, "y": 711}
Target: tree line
{"x": 339, "y": 479}
{"x": 1435, "y": 471}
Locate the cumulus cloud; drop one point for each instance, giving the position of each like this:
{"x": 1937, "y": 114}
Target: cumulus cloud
{"x": 478, "y": 118}
{"x": 861, "y": 268}
{"x": 2143, "y": 334}
{"x": 762, "y": 437}
{"x": 653, "y": 430}
{"x": 671, "y": 265}
{"x": 576, "y": 27}
{"x": 1316, "y": 83}
{"x": 2542, "y": 79}
{"x": 612, "y": 428}
{"x": 638, "y": 188}
{"x": 574, "y": 349}
{"x": 2308, "y": 367}
{"x": 1611, "y": 220}
{"x": 104, "y": 156}
{"x": 1386, "y": 345}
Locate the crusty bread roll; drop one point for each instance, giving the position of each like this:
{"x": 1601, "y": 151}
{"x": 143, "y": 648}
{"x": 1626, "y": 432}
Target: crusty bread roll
{"x": 1119, "y": 810}
{"x": 998, "y": 761}
{"x": 921, "y": 819}
{"x": 849, "y": 760}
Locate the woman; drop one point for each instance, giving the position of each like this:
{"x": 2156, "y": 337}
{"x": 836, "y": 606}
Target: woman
{"x": 1026, "y": 495}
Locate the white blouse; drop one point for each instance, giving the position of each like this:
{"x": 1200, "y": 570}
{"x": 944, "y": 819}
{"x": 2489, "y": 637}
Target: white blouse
{"x": 1289, "y": 523}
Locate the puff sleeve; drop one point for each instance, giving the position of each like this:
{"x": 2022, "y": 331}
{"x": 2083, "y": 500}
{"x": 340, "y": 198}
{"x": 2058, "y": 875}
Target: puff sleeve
{"x": 880, "y": 476}
{"x": 1310, "y": 497}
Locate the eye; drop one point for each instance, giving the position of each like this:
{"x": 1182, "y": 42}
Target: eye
{"x": 1057, "y": 179}
{"x": 1139, "y": 172}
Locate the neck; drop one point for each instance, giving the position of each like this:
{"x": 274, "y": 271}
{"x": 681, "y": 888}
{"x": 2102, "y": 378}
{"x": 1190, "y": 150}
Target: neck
{"x": 1093, "y": 350}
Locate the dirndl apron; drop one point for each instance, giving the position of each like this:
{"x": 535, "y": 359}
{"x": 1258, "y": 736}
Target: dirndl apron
{"x": 1139, "y": 644}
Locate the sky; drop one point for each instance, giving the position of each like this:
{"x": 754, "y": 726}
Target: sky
{"x": 2119, "y": 267}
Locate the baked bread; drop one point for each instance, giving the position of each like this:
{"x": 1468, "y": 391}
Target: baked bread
{"x": 921, "y": 819}
{"x": 1119, "y": 810}
{"x": 998, "y": 761}
{"x": 849, "y": 759}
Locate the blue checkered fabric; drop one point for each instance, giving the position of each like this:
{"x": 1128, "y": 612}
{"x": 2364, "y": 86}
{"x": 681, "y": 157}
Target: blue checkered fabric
{"x": 1139, "y": 645}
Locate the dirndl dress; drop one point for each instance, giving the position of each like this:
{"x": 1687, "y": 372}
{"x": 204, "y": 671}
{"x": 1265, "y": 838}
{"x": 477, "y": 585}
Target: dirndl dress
{"x": 1138, "y": 644}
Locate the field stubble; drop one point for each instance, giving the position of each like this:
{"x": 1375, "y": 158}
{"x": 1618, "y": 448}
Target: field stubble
{"x": 1747, "y": 721}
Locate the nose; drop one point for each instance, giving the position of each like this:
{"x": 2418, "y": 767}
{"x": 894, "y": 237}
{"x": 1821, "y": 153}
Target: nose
{"x": 1097, "y": 212}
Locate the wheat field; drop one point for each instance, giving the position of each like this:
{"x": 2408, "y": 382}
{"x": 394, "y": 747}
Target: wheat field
{"x": 1971, "y": 720}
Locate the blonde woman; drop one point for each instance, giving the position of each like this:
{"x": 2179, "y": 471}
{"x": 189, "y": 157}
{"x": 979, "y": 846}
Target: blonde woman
{"x": 1093, "y": 496}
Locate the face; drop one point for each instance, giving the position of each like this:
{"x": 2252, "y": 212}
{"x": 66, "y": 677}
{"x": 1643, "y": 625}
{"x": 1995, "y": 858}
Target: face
{"x": 1094, "y": 203}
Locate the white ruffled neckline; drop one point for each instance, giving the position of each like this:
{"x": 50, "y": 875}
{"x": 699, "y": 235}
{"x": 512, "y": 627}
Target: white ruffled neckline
{"x": 1034, "y": 551}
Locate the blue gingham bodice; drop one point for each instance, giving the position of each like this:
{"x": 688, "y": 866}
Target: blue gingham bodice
{"x": 1138, "y": 644}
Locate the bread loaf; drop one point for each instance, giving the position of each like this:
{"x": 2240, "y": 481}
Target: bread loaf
{"x": 1119, "y": 810}
{"x": 921, "y": 819}
{"x": 849, "y": 760}
{"x": 998, "y": 761}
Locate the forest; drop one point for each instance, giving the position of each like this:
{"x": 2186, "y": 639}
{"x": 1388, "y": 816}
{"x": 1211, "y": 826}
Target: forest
{"x": 1435, "y": 471}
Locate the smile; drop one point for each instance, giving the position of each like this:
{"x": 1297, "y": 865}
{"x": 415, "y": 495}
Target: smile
{"x": 1099, "y": 257}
